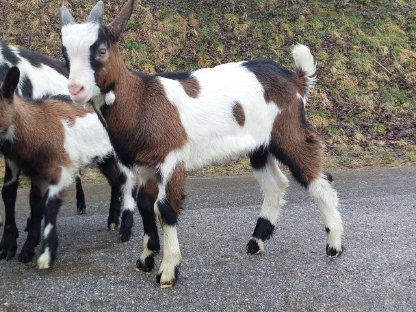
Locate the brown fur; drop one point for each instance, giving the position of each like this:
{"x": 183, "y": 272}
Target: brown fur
{"x": 176, "y": 187}
{"x": 144, "y": 124}
{"x": 191, "y": 87}
{"x": 238, "y": 113}
{"x": 39, "y": 136}
{"x": 295, "y": 143}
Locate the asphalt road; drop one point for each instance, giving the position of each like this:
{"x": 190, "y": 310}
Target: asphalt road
{"x": 94, "y": 272}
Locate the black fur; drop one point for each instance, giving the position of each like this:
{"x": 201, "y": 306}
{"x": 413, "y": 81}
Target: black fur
{"x": 4, "y": 68}
{"x": 33, "y": 226}
{"x": 267, "y": 68}
{"x": 332, "y": 252}
{"x": 145, "y": 207}
{"x": 127, "y": 222}
{"x": 26, "y": 89}
{"x": 264, "y": 229}
{"x": 8, "y": 54}
{"x": 103, "y": 37}
{"x": 147, "y": 266}
{"x": 8, "y": 244}
{"x": 258, "y": 158}
{"x": 167, "y": 213}
{"x": 327, "y": 230}
{"x": 81, "y": 207}
{"x": 50, "y": 214}
{"x": 37, "y": 60}
{"x": 294, "y": 168}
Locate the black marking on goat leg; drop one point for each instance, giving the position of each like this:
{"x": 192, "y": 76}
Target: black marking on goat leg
{"x": 258, "y": 158}
{"x": 170, "y": 217}
{"x": 329, "y": 177}
{"x": 264, "y": 229}
{"x": 252, "y": 247}
{"x": 148, "y": 264}
{"x": 327, "y": 229}
{"x": 81, "y": 207}
{"x": 158, "y": 277}
{"x": 126, "y": 225}
{"x": 8, "y": 243}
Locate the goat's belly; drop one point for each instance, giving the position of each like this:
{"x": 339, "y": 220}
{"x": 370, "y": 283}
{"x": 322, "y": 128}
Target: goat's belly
{"x": 220, "y": 150}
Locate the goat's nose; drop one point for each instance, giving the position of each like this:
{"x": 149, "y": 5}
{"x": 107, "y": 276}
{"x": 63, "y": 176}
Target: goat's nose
{"x": 75, "y": 88}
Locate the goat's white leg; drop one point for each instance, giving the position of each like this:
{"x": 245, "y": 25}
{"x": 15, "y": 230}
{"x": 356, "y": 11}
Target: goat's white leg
{"x": 167, "y": 207}
{"x": 53, "y": 201}
{"x": 327, "y": 200}
{"x": 273, "y": 184}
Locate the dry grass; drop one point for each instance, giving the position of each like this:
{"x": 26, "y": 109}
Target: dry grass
{"x": 364, "y": 103}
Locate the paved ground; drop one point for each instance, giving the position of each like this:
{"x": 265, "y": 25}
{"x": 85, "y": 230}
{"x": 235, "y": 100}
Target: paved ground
{"x": 94, "y": 272}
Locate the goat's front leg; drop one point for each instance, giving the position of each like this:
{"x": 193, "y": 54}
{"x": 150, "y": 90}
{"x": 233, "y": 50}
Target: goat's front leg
{"x": 37, "y": 191}
{"x": 167, "y": 208}
{"x": 8, "y": 244}
{"x": 52, "y": 202}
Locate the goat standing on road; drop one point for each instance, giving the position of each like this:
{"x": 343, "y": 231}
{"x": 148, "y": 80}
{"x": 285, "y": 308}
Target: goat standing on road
{"x": 165, "y": 124}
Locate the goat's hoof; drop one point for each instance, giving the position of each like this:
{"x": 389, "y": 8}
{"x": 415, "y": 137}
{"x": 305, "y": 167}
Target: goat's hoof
{"x": 7, "y": 254}
{"x": 125, "y": 236}
{"x": 81, "y": 209}
{"x": 8, "y": 244}
{"x": 26, "y": 255}
{"x": 112, "y": 227}
{"x": 147, "y": 265}
{"x": 167, "y": 280}
{"x": 255, "y": 247}
{"x": 44, "y": 260}
{"x": 334, "y": 252}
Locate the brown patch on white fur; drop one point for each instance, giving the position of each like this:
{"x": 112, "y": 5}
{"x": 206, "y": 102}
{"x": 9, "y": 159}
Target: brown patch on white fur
{"x": 39, "y": 135}
{"x": 293, "y": 141}
{"x": 191, "y": 87}
{"x": 238, "y": 113}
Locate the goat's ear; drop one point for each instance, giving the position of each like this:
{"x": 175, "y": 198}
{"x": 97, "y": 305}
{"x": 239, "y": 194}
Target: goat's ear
{"x": 10, "y": 82}
{"x": 97, "y": 12}
{"x": 120, "y": 21}
{"x": 66, "y": 17}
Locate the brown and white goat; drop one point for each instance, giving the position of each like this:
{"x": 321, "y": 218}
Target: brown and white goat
{"x": 48, "y": 141}
{"x": 169, "y": 123}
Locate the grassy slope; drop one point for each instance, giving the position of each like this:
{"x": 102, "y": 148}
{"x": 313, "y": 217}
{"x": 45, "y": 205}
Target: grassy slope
{"x": 364, "y": 103}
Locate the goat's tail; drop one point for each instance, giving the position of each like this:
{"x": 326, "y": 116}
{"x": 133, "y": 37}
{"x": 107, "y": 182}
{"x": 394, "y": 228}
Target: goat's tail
{"x": 305, "y": 67}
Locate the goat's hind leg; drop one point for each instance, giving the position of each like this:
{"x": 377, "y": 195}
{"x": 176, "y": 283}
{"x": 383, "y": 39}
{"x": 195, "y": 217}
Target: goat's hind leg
{"x": 303, "y": 155}
{"x": 273, "y": 184}
{"x": 8, "y": 243}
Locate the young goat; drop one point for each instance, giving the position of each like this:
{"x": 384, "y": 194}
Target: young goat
{"x": 40, "y": 77}
{"x": 48, "y": 140}
{"x": 169, "y": 123}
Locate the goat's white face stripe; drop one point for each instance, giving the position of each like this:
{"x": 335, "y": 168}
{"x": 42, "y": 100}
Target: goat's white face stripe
{"x": 77, "y": 40}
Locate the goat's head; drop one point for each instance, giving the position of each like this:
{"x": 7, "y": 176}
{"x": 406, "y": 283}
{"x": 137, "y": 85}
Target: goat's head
{"x": 91, "y": 52}
{"x": 7, "y": 107}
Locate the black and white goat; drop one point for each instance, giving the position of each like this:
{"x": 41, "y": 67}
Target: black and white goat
{"x": 42, "y": 77}
{"x": 164, "y": 124}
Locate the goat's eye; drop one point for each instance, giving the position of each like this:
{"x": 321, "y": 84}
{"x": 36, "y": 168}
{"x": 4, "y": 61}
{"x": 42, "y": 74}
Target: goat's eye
{"x": 102, "y": 52}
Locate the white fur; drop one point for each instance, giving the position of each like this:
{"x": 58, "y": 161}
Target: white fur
{"x": 44, "y": 261}
{"x": 47, "y": 230}
{"x": 304, "y": 60}
{"x": 146, "y": 251}
{"x": 65, "y": 180}
{"x": 327, "y": 200}
{"x": 171, "y": 256}
{"x": 55, "y": 84}
{"x": 78, "y": 38}
{"x": 273, "y": 184}
{"x": 213, "y": 133}
{"x": 85, "y": 140}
